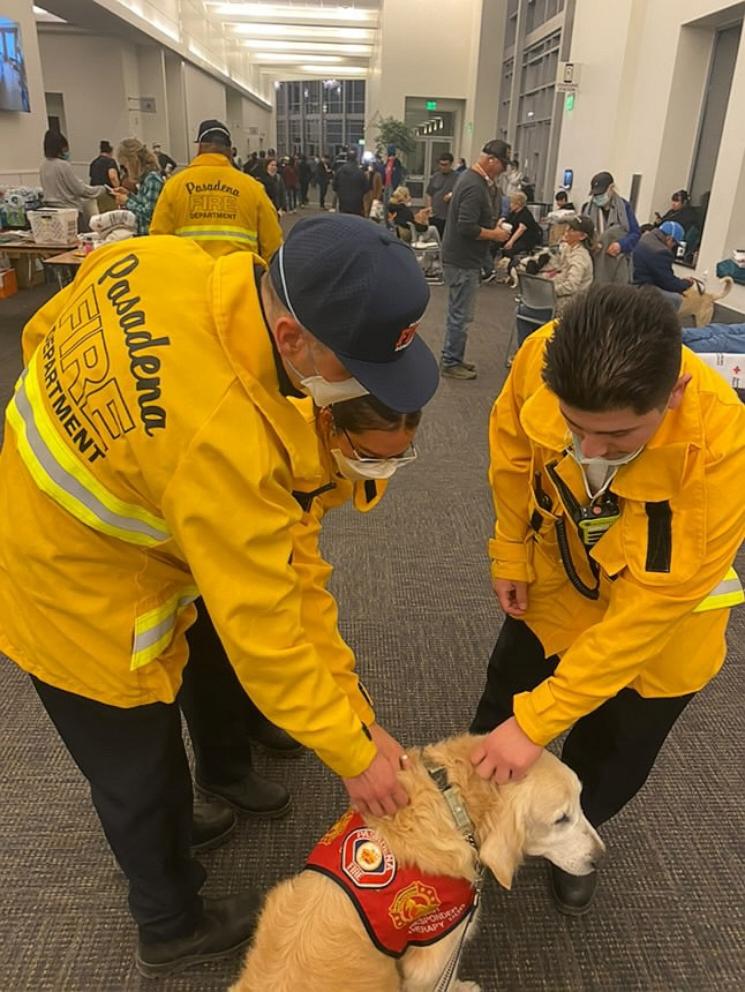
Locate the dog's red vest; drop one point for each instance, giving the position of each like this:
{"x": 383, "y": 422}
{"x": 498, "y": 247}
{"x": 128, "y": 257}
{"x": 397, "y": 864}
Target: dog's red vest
{"x": 398, "y": 906}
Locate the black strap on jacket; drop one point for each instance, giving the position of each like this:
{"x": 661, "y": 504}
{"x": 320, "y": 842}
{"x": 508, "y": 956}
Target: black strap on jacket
{"x": 659, "y": 536}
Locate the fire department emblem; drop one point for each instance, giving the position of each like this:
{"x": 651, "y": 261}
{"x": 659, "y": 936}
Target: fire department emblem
{"x": 337, "y": 830}
{"x": 366, "y": 859}
{"x": 412, "y": 903}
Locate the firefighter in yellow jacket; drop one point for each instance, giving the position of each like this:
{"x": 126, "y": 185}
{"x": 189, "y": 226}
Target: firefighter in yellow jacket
{"x": 152, "y": 455}
{"x": 215, "y": 204}
{"x": 617, "y": 460}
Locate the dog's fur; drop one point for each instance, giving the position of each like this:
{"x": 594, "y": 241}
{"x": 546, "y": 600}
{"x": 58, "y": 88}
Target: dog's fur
{"x": 699, "y": 304}
{"x": 309, "y": 937}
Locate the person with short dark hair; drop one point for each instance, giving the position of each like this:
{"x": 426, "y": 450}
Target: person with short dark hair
{"x": 60, "y": 186}
{"x": 681, "y": 211}
{"x": 216, "y": 205}
{"x": 325, "y": 175}
{"x": 103, "y": 171}
{"x": 440, "y": 191}
{"x": 562, "y": 201}
{"x": 305, "y": 174}
{"x": 617, "y": 459}
{"x": 351, "y": 184}
{"x": 471, "y": 228}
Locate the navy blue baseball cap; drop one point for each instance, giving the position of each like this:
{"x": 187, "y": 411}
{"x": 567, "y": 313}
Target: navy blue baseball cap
{"x": 360, "y": 291}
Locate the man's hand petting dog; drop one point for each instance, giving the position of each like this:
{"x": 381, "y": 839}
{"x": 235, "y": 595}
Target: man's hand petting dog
{"x": 506, "y": 754}
{"x": 377, "y": 790}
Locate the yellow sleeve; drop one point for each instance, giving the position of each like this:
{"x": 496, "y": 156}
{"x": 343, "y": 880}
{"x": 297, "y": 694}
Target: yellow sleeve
{"x": 319, "y": 613}
{"x": 509, "y": 472}
{"x": 40, "y": 324}
{"x": 642, "y": 617}
{"x": 267, "y": 226}
{"x": 162, "y": 221}
{"x": 230, "y": 509}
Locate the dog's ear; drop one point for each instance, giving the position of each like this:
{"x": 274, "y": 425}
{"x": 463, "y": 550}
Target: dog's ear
{"x": 502, "y": 849}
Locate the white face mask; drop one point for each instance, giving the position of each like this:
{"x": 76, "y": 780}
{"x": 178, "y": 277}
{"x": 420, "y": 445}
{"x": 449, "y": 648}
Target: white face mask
{"x": 325, "y": 392}
{"x": 604, "y": 462}
{"x": 358, "y": 470}
{"x": 601, "y": 199}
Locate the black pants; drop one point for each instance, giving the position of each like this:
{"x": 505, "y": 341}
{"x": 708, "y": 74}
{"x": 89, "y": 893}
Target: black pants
{"x": 322, "y": 188}
{"x": 304, "y": 183}
{"x": 140, "y": 785}
{"x": 218, "y": 712}
{"x": 612, "y": 749}
{"x": 136, "y": 766}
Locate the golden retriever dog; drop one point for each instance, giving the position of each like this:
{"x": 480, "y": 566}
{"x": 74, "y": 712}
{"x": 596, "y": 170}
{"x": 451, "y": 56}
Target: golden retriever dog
{"x": 699, "y": 304}
{"x": 310, "y": 938}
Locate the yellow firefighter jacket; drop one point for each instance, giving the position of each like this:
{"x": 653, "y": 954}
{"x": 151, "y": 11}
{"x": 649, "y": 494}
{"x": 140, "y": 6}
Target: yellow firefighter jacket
{"x": 665, "y": 567}
{"x": 219, "y": 207}
{"x": 150, "y": 456}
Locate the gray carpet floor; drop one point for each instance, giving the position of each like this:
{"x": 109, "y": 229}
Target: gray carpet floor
{"x": 413, "y": 587}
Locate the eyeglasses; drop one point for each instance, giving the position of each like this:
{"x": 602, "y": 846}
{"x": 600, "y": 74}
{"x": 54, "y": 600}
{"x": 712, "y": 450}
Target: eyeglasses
{"x": 405, "y": 458}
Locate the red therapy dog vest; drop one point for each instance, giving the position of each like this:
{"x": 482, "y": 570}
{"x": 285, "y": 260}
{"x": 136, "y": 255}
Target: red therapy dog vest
{"x": 398, "y": 906}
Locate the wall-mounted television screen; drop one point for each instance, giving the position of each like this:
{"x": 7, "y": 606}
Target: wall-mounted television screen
{"x": 13, "y": 84}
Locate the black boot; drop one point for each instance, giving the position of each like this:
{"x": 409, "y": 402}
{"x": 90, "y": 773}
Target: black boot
{"x": 572, "y": 894}
{"x": 252, "y": 795}
{"x": 227, "y": 926}
{"x": 212, "y": 823}
{"x": 271, "y": 738}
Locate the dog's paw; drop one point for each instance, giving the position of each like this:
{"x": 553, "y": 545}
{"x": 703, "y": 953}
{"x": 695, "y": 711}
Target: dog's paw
{"x": 465, "y": 987}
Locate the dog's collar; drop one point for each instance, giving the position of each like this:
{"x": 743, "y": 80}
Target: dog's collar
{"x": 452, "y": 796}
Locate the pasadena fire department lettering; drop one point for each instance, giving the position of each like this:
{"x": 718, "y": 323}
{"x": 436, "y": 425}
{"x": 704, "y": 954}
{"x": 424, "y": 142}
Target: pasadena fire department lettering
{"x": 143, "y": 365}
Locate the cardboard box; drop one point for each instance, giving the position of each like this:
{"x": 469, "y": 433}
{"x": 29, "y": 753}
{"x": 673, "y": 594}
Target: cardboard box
{"x": 8, "y": 283}
{"x": 29, "y": 271}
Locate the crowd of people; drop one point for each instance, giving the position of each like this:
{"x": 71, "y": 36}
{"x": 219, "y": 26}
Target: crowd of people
{"x": 185, "y": 521}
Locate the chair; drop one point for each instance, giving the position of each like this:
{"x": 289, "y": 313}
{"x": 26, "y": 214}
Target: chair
{"x": 536, "y": 306}
{"x": 428, "y": 253}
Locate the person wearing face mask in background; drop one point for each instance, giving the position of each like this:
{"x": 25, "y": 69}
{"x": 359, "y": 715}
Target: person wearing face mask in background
{"x": 61, "y": 187}
{"x": 131, "y": 484}
{"x": 616, "y": 230}
{"x": 616, "y": 465}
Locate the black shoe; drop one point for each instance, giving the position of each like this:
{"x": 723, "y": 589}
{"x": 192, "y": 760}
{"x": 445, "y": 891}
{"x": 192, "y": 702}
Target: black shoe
{"x": 212, "y": 823}
{"x": 227, "y": 926}
{"x": 487, "y": 277}
{"x": 572, "y": 894}
{"x": 253, "y": 795}
{"x": 273, "y": 739}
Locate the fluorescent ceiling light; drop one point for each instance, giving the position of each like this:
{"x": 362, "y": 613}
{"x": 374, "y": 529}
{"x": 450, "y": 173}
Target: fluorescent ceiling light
{"x": 304, "y": 31}
{"x": 265, "y": 45}
{"x": 290, "y": 59}
{"x": 294, "y": 12}
{"x": 344, "y": 70}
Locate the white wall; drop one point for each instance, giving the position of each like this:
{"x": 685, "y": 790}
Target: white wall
{"x": 205, "y": 99}
{"x": 152, "y": 83}
{"x": 79, "y": 66}
{"x": 638, "y": 108}
{"x": 447, "y": 52}
{"x": 21, "y": 134}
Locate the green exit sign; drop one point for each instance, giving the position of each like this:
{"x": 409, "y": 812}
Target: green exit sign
{"x": 569, "y": 101}
{"x": 431, "y": 104}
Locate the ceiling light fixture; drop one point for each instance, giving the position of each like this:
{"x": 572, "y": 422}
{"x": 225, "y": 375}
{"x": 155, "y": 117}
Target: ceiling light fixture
{"x": 294, "y": 12}
{"x": 266, "y": 45}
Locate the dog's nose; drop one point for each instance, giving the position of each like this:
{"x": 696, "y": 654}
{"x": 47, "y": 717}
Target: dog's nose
{"x": 598, "y": 858}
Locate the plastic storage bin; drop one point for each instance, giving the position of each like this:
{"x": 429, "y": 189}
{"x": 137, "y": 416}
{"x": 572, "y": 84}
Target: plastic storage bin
{"x": 54, "y": 225}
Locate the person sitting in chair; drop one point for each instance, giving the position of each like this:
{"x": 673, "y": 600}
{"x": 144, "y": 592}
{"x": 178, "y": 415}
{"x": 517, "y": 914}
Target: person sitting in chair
{"x": 525, "y": 232}
{"x": 571, "y": 270}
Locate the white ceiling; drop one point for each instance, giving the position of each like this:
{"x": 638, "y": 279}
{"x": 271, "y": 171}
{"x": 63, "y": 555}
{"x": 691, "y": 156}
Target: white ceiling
{"x": 304, "y": 39}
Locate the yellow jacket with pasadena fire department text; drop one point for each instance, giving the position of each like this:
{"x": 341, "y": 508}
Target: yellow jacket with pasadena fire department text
{"x": 149, "y": 457}
{"x": 219, "y": 207}
{"x": 666, "y": 577}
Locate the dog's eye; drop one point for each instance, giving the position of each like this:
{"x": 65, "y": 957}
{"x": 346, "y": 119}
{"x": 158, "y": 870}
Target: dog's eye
{"x": 564, "y": 818}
